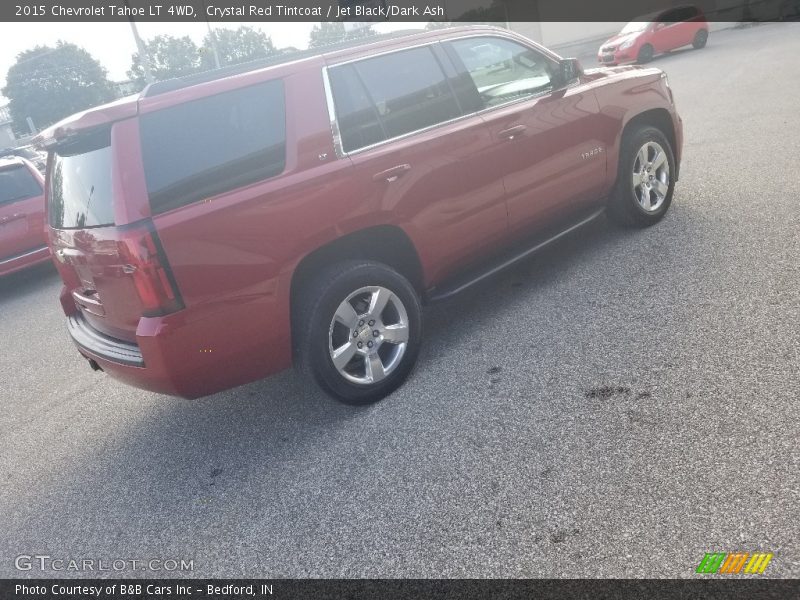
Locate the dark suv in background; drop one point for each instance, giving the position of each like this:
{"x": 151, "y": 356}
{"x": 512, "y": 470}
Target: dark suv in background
{"x": 215, "y": 229}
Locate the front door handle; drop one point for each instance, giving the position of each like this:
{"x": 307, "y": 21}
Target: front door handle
{"x": 512, "y": 133}
{"x": 393, "y": 174}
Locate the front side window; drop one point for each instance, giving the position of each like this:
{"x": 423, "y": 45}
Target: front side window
{"x": 389, "y": 96}
{"x": 17, "y": 183}
{"x": 503, "y": 70}
{"x": 205, "y": 147}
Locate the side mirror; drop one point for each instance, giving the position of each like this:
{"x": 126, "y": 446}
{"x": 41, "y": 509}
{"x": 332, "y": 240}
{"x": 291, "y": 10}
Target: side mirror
{"x": 569, "y": 69}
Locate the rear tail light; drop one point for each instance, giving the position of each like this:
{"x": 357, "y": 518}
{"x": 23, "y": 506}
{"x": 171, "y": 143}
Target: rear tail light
{"x": 144, "y": 260}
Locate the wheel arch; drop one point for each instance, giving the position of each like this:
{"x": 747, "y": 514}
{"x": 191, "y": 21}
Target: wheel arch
{"x": 661, "y": 119}
{"x": 388, "y": 244}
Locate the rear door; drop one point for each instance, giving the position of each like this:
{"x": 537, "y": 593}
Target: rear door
{"x": 421, "y": 153}
{"x": 21, "y": 210}
{"x": 545, "y": 142}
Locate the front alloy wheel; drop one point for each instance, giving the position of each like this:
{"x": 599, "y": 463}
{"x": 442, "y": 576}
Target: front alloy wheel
{"x": 651, "y": 176}
{"x": 645, "y": 178}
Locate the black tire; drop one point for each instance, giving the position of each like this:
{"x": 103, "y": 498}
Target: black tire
{"x": 700, "y": 39}
{"x": 315, "y": 306}
{"x": 623, "y": 206}
{"x": 645, "y": 54}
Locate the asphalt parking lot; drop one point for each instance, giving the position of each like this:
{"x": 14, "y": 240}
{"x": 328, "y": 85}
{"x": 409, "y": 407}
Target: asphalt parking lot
{"x": 616, "y": 407}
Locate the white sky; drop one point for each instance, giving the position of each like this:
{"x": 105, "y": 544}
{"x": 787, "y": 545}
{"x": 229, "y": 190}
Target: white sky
{"x": 112, "y": 43}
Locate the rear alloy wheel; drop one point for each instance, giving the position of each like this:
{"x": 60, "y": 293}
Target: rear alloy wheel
{"x": 645, "y": 54}
{"x": 700, "y": 39}
{"x": 368, "y": 335}
{"x": 645, "y": 179}
{"x": 358, "y": 330}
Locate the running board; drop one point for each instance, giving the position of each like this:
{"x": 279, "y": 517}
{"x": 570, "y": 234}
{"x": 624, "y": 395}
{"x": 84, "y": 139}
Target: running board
{"x": 459, "y": 284}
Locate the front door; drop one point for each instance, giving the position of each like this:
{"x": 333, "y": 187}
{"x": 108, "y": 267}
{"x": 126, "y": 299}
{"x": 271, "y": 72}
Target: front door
{"x": 546, "y": 141}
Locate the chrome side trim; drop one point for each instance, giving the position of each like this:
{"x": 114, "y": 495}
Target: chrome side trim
{"x": 23, "y": 255}
{"x": 335, "y": 132}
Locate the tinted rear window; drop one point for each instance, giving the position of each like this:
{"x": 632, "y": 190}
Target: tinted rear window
{"x": 389, "y": 96}
{"x": 17, "y": 183}
{"x": 80, "y": 183}
{"x": 216, "y": 144}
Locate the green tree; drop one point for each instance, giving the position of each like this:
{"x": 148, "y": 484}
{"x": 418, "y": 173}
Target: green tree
{"x": 49, "y": 83}
{"x": 236, "y": 46}
{"x": 169, "y": 57}
{"x": 332, "y": 32}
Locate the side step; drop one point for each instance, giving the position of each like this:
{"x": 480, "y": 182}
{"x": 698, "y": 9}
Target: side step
{"x": 459, "y": 284}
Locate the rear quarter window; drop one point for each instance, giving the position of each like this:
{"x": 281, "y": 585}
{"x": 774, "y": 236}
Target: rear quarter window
{"x": 209, "y": 146}
{"x": 16, "y": 184}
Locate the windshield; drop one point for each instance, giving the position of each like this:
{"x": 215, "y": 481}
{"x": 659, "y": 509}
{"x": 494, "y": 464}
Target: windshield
{"x": 635, "y": 27}
{"x": 17, "y": 183}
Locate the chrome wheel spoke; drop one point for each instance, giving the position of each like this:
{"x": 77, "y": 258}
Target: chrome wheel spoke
{"x": 343, "y": 355}
{"x": 644, "y": 198}
{"x": 642, "y": 157}
{"x": 661, "y": 188}
{"x": 380, "y": 297}
{"x": 659, "y": 159}
{"x": 346, "y": 315}
{"x": 375, "y": 369}
{"x": 396, "y": 334}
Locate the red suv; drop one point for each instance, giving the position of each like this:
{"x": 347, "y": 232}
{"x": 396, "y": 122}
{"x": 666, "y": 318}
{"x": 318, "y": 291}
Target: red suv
{"x": 217, "y": 229}
{"x": 640, "y": 40}
{"x": 23, "y": 242}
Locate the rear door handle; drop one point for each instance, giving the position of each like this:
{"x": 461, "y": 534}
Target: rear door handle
{"x": 393, "y": 174}
{"x": 512, "y": 133}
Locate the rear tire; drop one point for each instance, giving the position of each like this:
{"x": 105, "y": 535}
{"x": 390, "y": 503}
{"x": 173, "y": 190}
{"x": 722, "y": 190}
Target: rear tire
{"x": 645, "y": 182}
{"x": 700, "y": 39}
{"x": 357, "y": 330}
{"x": 645, "y": 54}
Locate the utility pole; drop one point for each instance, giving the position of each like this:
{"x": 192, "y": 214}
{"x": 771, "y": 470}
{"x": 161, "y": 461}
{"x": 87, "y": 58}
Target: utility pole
{"x": 144, "y": 57}
{"x": 214, "y": 48}
{"x": 212, "y": 36}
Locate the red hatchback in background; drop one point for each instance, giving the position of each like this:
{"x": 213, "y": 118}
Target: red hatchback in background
{"x": 640, "y": 40}
{"x": 22, "y": 235}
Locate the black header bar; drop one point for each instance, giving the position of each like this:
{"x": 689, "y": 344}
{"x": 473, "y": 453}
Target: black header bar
{"x": 400, "y": 589}
{"x": 465, "y": 11}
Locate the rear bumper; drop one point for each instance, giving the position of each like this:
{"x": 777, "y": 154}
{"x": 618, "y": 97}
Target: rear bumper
{"x": 23, "y": 261}
{"x": 103, "y": 347}
{"x": 183, "y": 354}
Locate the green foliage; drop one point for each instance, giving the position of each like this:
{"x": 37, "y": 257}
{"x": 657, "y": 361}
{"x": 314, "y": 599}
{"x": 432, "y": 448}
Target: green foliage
{"x": 169, "y": 57}
{"x": 236, "y": 46}
{"x": 49, "y": 83}
{"x": 332, "y": 32}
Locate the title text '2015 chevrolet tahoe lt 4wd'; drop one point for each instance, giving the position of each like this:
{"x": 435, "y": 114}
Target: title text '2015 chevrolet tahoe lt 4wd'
{"x": 216, "y": 229}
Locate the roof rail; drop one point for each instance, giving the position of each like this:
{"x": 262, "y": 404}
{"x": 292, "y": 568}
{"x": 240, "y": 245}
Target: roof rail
{"x": 281, "y": 57}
